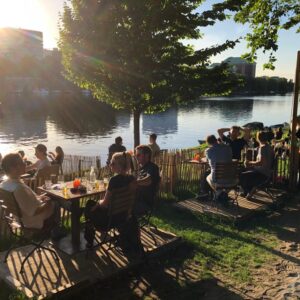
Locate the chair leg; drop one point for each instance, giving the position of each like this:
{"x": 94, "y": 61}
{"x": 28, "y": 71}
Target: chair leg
{"x": 38, "y": 247}
{"x": 13, "y": 246}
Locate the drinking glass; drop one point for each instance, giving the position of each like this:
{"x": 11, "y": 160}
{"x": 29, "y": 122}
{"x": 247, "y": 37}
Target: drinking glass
{"x": 105, "y": 182}
{"x": 101, "y": 185}
{"x": 48, "y": 184}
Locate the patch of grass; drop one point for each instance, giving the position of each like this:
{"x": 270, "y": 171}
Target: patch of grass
{"x": 220, "y": 247}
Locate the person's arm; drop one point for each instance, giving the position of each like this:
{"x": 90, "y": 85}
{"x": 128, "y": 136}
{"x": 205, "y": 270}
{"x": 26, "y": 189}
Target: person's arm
{"x": 104, "y": 202}
{"x": 247, "y": 133}
{"x": 31, "y": 167}
{"x": 221, "y": 132}
{"x": 51, "y": 155}
{"x": 28, "y": 201}
{"x": 258, "y": 162}
{"x": 43, "y": 207}
{"x": 145, "y": 181}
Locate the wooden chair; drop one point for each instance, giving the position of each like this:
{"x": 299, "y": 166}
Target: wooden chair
{"x": 226, "y": 179}
{"x": 13, "y": 218}
{"x": 266, "y": 185}
{"x": 46, "y": 173}
{"x": 119, "y": 212}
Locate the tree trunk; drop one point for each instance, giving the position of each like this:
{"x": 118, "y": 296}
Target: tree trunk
{"x": 136, "y": 127}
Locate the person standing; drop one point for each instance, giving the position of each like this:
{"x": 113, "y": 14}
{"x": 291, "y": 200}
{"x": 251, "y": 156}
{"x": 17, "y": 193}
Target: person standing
{"x": 234, "y": 140}
{"x": 114, "y": 148}
{"x": 153, "y": 146}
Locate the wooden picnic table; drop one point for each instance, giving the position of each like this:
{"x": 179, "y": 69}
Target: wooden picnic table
{"x": 71, "y": 202}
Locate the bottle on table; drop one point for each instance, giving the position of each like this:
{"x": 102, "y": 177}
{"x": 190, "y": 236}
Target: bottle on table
{"x": 92, "y": 176}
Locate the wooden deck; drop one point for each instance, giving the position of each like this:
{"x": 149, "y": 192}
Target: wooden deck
{"x": 44, "y": 276}
{"x": 246, "y": 209}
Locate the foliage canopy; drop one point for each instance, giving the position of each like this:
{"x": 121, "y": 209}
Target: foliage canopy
{"x": 131, "y": 54}
{"x": 265, "y": 18}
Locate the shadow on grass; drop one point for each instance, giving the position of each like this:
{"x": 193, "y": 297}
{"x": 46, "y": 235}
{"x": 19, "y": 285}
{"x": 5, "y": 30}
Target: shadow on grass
{"x": 168, "y": 277}
{"x": 189, "y": 225}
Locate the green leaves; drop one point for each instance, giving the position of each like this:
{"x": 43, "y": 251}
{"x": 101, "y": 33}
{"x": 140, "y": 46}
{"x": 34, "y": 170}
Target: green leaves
{"x": 265, "y": 18}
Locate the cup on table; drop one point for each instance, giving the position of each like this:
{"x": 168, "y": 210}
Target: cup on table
{"x": 64, "y": 189}
{"x": 105, "y": 182}
{"x": 48, "y": 184}
{"x": 76, "y": 183}
{"x": 101, "y": 184}
{"x": 53, "y": 178}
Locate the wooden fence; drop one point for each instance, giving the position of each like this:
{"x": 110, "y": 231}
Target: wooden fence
{"x": 178, "y": 177}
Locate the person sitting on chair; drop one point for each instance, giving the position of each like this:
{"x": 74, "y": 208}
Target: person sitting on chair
{"x": 97, "y": 213}
{"x": 22, "y": 153}
{"x": 36, "y": 210}
{"x": 260, "y": 169}
{"x": 42, "y": 162}
{"x": 216, "y": 153}
{"x": 148, "y": 180}
{"x": 114, "y": 148}
{"x": 236, "y": 143}
{"x": 57, "y": 157}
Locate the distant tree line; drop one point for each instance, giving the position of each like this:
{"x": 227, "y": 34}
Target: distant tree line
{"x": 265, "y": 85}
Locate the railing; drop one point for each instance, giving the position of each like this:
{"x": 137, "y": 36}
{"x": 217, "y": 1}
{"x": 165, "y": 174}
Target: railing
{"x": 74, "y": 164}
{"x": 178, "y": 177}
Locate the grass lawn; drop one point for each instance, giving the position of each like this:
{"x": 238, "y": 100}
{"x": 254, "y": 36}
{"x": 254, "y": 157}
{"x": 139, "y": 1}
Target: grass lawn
{"x": 218, "y": 246}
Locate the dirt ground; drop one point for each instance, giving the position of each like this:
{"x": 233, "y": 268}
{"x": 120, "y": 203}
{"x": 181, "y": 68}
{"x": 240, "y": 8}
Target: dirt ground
{"x": 172, "y": 277}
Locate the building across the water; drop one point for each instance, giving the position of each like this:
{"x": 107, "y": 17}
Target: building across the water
{"x": 16, "y": 43}
{"x": 240, "y": 66}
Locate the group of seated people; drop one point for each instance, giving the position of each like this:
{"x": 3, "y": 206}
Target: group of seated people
{"x": 228, "y": 148}
{"x": 119, "y": 147}
{"x": 38, "y": 210}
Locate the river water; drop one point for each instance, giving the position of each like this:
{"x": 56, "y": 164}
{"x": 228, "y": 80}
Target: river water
{"x": 91, "y": 128}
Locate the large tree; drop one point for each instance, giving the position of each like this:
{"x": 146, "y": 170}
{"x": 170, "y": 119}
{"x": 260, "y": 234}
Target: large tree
{"x": 132, "y": 55}
{"x": 266, "y": 18}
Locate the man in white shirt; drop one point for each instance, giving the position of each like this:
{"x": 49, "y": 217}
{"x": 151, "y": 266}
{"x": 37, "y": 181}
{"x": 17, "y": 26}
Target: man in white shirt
{"x": 42, "y": 162}
{"x": 35, "y": 209}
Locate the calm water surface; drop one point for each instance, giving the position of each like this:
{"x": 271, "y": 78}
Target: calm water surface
{"x": 90, "y": 129}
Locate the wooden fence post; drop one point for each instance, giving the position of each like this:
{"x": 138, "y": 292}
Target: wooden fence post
{"x": 293, "y": 167}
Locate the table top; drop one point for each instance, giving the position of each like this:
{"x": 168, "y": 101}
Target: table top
{"x": 69, "y": 196}
{"x": 199, "y": 162}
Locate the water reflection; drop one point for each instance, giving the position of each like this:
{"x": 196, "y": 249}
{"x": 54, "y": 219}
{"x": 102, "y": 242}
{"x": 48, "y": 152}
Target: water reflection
{"x": 161, "y": 123}
{"x": 85, "y": 127}
{"x": 22, "y": 127}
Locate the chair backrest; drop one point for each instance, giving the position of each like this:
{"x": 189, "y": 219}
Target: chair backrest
{"x": 10, "y": 204}
{"x": 46, "y": 172}
{"x": 227, "y": 171}
{"x": 122, "y": 201}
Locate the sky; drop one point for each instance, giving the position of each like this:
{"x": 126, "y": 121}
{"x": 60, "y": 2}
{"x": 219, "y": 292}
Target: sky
{"x": 43, "y": 15}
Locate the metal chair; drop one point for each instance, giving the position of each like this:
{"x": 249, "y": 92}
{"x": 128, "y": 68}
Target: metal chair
{"x": 226, "y": 179}
{"x": 13, "y": 218}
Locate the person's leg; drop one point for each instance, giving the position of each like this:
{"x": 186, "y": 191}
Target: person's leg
{"x": 204, "y": 186}
{"x": 250, "y": 179}
{"x": 130, "y": 237}
{"x": 95, "y": 219}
